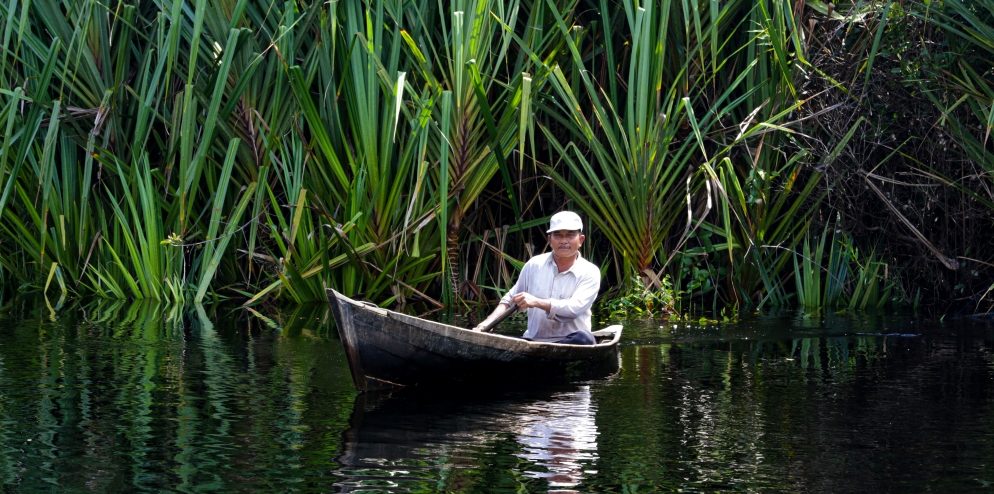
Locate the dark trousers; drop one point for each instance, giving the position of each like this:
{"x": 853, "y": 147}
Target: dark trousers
{"x": 581, "y": 337}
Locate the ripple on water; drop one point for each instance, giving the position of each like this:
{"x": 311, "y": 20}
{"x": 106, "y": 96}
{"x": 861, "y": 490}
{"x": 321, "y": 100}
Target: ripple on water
{"x": 778, "y": 403}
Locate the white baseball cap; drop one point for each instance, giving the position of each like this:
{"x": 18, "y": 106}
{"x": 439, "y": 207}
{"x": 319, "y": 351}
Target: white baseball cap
{"x": 565, "y": 220}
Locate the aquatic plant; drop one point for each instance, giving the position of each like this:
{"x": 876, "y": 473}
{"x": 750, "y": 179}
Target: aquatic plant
{"x": 198, "y": 150}
{"x": 641, "y": 299}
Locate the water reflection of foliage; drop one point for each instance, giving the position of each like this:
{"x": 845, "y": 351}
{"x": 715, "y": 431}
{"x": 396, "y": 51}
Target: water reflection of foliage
{"x": 710, "y": 414}
{"x": 141, "y": 396}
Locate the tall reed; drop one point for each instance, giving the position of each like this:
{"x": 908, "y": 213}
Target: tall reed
{"x": 195, "y": 150}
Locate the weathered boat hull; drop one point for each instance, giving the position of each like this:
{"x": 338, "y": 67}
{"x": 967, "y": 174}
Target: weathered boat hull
{"x": 387, "y": 349}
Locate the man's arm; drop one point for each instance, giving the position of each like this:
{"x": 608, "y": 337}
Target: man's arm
{"x": 581, "y": 301}
{"x": 501, "y": 307}
{"x": 506, "y": 300}
{"x": 528, "y": 301}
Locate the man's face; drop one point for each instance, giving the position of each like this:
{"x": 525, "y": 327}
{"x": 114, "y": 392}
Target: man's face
{"x": 565, "y": 243}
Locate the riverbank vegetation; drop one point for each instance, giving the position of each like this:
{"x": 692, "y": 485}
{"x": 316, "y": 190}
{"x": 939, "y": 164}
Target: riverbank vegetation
{"x": 744, "y": 153}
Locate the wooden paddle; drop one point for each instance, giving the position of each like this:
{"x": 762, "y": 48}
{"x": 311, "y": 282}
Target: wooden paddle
{"x": 489, "y": 328}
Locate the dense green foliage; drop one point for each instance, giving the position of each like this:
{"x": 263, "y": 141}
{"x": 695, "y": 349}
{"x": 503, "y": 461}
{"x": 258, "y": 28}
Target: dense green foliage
{"x": 263, "y": 149}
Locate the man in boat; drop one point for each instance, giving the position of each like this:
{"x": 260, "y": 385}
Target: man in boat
{"x": 557, "y": 288}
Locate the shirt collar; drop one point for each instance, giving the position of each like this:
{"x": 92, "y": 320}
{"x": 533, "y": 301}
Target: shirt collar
{"x": 552, "y": 260}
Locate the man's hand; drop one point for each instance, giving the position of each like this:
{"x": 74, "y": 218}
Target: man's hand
{"x": 493, "y": 315}
{"x": 527, "y": 301}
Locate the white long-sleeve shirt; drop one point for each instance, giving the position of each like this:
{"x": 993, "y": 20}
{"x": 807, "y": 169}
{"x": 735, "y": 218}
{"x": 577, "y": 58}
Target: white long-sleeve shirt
{"x": 571, "y": 293}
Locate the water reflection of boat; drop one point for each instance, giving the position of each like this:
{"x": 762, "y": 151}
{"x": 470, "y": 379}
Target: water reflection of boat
{"x": 561, "y": 436}
{"x": 419, "y": 441}
{"x": 386, "y": 349}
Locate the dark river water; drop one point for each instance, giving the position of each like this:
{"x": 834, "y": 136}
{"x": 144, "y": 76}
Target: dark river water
{"x": 131, "y": 398}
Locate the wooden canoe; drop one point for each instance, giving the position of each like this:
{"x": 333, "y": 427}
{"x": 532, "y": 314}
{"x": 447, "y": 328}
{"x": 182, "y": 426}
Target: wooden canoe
{"x": 387, "y": 349}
